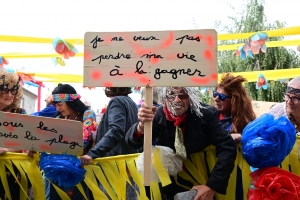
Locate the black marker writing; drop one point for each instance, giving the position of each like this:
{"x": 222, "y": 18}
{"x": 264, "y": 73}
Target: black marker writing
{"x": 9, "y": 135}
{"x": 135, "y": 38}
{"x": 117, "y": 39}
{"x": 188, "y": 38}
{"x": 30, "y": 137}
{"x": 94, "y": 41}
{"x": 41, "y": 126}
{"x": 175, "y": 72}
{"x": 138, "y": 67}
{"x": 12, "y": 124}
{"x": 60, "y": 138}
{"x": 186, "y": 56}
{"x": 115, "y": 72}
{"x": 149, "y": 56}
{"x": 107, "y": 57}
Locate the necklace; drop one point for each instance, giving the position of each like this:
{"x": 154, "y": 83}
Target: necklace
{"x": 71, "y": 118}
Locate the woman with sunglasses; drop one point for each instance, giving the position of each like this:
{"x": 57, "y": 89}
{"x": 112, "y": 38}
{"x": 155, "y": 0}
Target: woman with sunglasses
{"x": 10, "y": 98}
{"x": 233, "y": 104}
{"x": 235, "y": 112}
{"x": 69, "y": 106}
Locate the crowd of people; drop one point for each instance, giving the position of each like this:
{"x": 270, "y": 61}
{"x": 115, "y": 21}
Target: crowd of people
{"x": 179, "y": 119}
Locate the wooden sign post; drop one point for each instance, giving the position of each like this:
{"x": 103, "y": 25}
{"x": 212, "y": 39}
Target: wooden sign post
{"x": 24, "y": 132}
{"x": 153, "y": 58}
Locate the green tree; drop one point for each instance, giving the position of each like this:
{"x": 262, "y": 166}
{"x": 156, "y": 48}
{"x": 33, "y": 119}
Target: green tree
{"x": 253, "y": 19}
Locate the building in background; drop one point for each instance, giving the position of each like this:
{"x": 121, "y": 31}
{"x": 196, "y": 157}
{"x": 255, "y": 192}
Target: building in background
{"x": 28, "y": 101}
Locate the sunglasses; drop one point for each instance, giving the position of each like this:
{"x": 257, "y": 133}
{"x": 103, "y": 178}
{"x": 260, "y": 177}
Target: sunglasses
{"x": 294, "y": 99}
{"x": 181, "y": 96}
{"x": 222, "y": 97}
{"x": 5, "y": 90}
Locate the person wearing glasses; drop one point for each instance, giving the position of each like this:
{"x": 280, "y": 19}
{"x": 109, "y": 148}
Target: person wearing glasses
{"x": 233, "y": 104}
{"x": 291, "y": 105}
{"x": 235, "y": 111}
{"x": 69, "y": 106}
{"x": 10, "y": 98}
{"x": 187, "y": 126}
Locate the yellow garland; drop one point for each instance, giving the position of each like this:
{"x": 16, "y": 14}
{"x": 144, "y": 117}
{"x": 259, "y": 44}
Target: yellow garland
{"x": 112, "y": 172}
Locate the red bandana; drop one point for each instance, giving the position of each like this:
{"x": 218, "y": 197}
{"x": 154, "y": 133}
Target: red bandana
{"x": 171, "y": 117}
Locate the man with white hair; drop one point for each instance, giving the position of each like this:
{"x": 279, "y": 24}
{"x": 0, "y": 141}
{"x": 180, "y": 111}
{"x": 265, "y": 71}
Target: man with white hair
{"x": 187, "y": 126}
{"x": 291, "y": 105}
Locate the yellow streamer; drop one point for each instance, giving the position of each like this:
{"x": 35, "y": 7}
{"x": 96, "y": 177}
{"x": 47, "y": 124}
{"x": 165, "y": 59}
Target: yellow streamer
{"x": 79, "y": 41}
{"x": 271, "y": 33}
{"x": 160, "y": 169}
{"x": 114, "y": 172}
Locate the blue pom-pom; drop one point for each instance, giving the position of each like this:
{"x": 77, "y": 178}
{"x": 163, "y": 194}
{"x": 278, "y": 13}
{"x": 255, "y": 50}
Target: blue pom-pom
{"x": 267, "y": 141}
{"x": 62, "y": 169}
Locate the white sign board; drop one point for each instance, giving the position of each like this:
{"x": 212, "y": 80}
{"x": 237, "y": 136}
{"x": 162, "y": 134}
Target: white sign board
{"x": 153, "y": 58}
{"x": 24, "y": 132}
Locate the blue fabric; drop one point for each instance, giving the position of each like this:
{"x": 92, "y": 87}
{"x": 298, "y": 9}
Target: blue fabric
{"x": 63, "y": 169}
{"x": 267, "y": 141}
{"x": 49, "y": 111}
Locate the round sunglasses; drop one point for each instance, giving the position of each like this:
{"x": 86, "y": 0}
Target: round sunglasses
{"x": 222, "y": 97}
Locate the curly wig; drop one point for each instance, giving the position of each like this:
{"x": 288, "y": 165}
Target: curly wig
{"x": 241, "y": 106}
{"x": 11, "y": 80}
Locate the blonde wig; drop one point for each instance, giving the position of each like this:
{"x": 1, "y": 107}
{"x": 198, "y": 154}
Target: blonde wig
{"x": 11, "y": 80}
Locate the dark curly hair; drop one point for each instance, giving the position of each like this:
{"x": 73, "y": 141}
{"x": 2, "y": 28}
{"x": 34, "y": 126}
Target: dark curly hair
{"x": 117, "y": 91}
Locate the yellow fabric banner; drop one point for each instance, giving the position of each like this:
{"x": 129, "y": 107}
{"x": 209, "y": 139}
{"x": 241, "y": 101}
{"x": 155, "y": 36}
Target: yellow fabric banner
{"x": 112, "y": 173}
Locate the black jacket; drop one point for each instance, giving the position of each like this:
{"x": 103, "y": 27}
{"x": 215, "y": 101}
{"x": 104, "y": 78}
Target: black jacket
{"x": 198, "y": 134}
{"x": 120, "y": 115}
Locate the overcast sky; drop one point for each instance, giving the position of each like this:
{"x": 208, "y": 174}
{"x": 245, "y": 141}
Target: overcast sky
{"x": 72, "y": 18}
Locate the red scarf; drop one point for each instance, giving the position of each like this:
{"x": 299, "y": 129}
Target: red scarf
{"x": 171, "y": 117}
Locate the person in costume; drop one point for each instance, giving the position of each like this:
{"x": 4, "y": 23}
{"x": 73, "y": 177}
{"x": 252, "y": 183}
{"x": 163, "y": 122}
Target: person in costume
{"x": 10, "y": 99}
{"x": 187, "y": 126}
{"x": 233, "y": 104}
{"x": 69, "y": 106}
{"x": 235, "y": 112}
{"x": 290, "y": 108}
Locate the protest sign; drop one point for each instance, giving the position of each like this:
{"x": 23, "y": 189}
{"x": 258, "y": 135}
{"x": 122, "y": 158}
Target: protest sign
{"x": 24, "y": 132}
{"x": 153, "y": 58}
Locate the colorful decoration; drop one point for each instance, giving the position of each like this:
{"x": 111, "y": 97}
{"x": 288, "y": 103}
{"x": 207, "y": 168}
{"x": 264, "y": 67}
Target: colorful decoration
{"x": 65, "y": 97}
{"x": 258, "y": 42}
{"x": 262, "y": 82}
{"x": 3, "y": 61}
{"x": 274, "y": 183}
{"x": 253, "y": 45}
{"x": 62, "y": 169}
{"x": 267, "y": 141}
{"x": 64, "y": 48}
{"x": 58, "y": 60}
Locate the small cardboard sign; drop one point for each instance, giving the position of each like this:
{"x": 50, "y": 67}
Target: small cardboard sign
{"x": 153, "y": 58}
{"x": 24, "y": 132}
